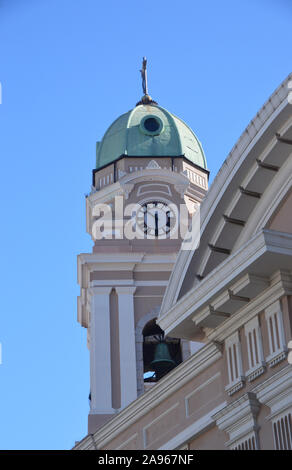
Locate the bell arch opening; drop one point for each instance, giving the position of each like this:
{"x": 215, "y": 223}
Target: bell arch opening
{"x": 161, "y": 353}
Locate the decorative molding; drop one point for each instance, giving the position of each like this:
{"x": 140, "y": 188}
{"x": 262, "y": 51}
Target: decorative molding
{"x": 99, "y": 291}
{"x": 276, "y": 391}
{"x": 90, "y": 262}
{"x": 121, "y": 173}
{"x": 141, "y": 190}
{"x": 282, "y": 430}
{"x": 153, "y": 165}
{"x": 231, "y": 220}
{"x": 125, "y": 290}
{"x": 128, "y": 282}
{"x": 266, "y": 166}
{"x": 246, "y": 192}
{"x": 127, "y": 189}
{"x": 134, "y": 262}
{"x": 275, "y": 359}
{"x": 106, "y": 194}
{"x": 219, "y": 249}
{"x": 256, "y": 361}
{"x": 274, "y": 319}
{"x": 234, "y": 364}
{"x": 282, "y": 139}
{"x": 238, "y": 419}
{"x": 281, "y": 286}
{"x": 235, "y": 386}
{"x": 155, "y": 174}
{"x": 253, "y": 374}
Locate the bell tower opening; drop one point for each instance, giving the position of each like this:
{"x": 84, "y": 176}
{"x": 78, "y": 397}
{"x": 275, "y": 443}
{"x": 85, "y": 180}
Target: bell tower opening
{"x": 161, "y": 353}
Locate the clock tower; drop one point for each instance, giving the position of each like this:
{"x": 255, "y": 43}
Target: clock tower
{"x": 150, "y": 178}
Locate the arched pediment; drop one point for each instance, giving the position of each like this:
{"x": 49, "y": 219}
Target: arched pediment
{"x": 250, "y": 187}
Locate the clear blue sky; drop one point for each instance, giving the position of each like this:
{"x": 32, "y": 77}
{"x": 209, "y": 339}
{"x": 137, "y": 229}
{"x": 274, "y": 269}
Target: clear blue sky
{"x": 68, "y": 68}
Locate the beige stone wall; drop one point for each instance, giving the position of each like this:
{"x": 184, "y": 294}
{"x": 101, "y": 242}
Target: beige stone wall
{"x": 212, "y": 439}
{"x": 174, "y": 414}
{"x": 282, "y": 220}
{"x": 144, "y": 304}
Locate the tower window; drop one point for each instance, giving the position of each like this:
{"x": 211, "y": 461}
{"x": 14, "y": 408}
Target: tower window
{"x": 151, "y": 125}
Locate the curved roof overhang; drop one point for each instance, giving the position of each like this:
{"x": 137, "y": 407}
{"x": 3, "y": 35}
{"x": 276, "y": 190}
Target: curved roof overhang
{"x": 252, "y": 181}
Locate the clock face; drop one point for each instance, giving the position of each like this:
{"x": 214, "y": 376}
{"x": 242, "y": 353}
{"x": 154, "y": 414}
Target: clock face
{"x": 154, "y": 219}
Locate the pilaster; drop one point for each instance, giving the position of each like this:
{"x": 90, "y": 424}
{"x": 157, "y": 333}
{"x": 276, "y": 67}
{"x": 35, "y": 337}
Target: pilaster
{"x": 100, "y": 354}
{"x": 127, "y": 344}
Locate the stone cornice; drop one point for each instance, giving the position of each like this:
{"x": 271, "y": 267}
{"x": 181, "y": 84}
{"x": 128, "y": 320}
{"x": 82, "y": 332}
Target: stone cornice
{"x": 156, "y": 174}
{"x": 226, "y": 273}
{"x": 239, "y": 417}
{"x": 233, "y": 412}
{"x": 119, "y": 261}
{"x": 275, "y": 392}
{"x": 104, "y": 290}
{"x": 90, "y": 262}
{"x": 267, "y": 297}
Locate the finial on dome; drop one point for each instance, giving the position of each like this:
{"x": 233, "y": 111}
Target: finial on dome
{"x": 144, "y": 76}
{"x": 146, "y": 99}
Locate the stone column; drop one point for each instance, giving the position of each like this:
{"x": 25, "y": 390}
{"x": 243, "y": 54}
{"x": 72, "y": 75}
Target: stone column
{"x": 100, "y": 351}
{"x": 127, "y": 344}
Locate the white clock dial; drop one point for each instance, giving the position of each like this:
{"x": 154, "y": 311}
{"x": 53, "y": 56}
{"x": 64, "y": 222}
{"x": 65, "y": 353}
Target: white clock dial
{"x": 154, "y": 218}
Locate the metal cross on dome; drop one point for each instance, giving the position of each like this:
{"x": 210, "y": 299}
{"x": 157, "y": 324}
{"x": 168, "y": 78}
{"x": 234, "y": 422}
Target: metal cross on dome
{"x": 144, "y": 76}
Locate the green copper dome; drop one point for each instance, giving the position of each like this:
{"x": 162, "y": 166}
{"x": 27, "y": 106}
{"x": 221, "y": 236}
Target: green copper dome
{"x": 149, "y": 131}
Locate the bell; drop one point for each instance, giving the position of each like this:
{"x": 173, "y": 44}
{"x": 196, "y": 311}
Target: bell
{"x": 162, "y": 362}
